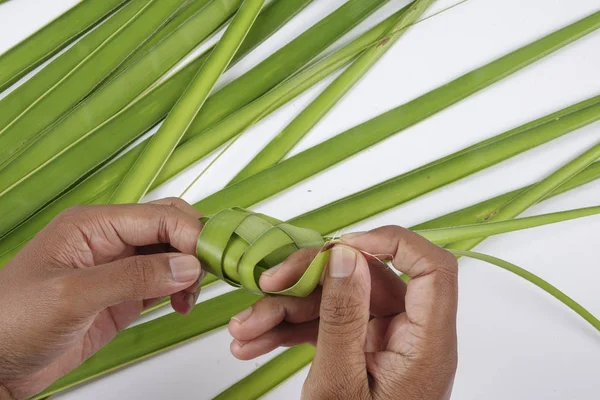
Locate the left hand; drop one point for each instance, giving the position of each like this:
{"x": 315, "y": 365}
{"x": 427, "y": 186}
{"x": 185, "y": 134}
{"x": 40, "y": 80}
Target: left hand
{"x": 84, "y": 278}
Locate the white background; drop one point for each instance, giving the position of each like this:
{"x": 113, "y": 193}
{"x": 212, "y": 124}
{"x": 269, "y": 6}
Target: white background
{"x": 516, "y": 342}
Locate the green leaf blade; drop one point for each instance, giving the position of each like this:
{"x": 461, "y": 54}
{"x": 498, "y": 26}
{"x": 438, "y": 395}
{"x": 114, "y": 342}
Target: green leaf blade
{"x": 344, "y": 145}
{"x": 52, "y": 38}
{"x": 160, "y": 147}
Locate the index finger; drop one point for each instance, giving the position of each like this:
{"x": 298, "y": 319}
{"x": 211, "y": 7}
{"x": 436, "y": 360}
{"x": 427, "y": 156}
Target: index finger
{"x": 432, "y": 293}
{"x": 112, "y": 226}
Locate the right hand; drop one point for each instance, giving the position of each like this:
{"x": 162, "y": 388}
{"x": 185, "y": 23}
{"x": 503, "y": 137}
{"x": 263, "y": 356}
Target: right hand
{"x": 376, "y": 337}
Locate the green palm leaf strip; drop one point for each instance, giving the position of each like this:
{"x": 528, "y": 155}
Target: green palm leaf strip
{"x": 539, "y": 282}
{"x": 370, "y": 201}
{"x": 139, "y": 116}
{"x": 282, "y": 63}
{"x": 410, "y": 185}
{"x": 483, "y": 211}
{"x": 118, "y": 132}
{"x": 346, "y": 144}
{"x": 17, "y": 102}
{"x": 181, "y": 17}
{"x": 237, "y": 246}
{"x": 161, "y": 146}
{"x": 155, "y": 336}
{"x": 84, "y": 77}
{"x": 271, "y": 374}
{"x": 444, "y": 236}
{"x": 536, "y": 193}
{"x": 276, "y": 150}
{"x": 104, "y": 103}
{"x": 52, "y": 38}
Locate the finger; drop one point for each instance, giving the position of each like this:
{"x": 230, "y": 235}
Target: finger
{"x": 387, "y": 294}
{"x": 285, "y": 335}
{"x": 377, "y": 338}
{"x": 135, "y": 279}
{"x": 152, "y": 302}
{"x": 112, "y": 226}
{"x": 387, "y": 289}
{"x": 270, "y": 312}
{"x": 432, "y": 294}
{"x": 286, "y": 274}
{"x": 179, "y": 204}
{"x": 343, "y": 325}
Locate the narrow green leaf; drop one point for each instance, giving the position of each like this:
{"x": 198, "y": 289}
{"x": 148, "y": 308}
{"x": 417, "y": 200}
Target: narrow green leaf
{"x": 484, "y": 210}
{"x": 108, "y": 100}
{"x": 275, "y": 11}
{"x": 282, "y": 63}
{"x": 410, "y": 185}
{"x": 285, "y": 141}
{"x": 180, "y": 17}
{"x": 536, "y": 193}
{"x": 82, "y": 79}
{"x": 16, "y": 102}
{"x": 145, "y": 340}
{"x": 539, "y": 282}
{"x": 114, "y": 135}
{"x": 161, "y": 146}
{"x": 237, "y": 245}
{"x": 303, "y": 165}
{"x": 52, "y": 38}
{"x": 270, "y": 375}
{"x": 443, "y": 236}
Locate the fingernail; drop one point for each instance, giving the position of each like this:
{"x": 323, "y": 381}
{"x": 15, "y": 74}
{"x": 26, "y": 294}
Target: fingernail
{"x": 243, "y": 316}
{"x": 185, "y": 268}
{"x": 202, "y": 275}
{"x": 350, "y": 236}
{"x": 273, "y": 271}
{"x": 342, "y": 262}
{"x": 191, "y": 300}
{"x": 238, "y": 344}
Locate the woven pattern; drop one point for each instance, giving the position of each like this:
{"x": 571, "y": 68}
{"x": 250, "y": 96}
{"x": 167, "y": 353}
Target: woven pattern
{"x": 238, "y": 245}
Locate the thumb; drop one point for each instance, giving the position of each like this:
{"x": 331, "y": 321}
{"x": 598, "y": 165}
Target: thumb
{"x": 344, "y": 317}
{"x": 139, "y": 278}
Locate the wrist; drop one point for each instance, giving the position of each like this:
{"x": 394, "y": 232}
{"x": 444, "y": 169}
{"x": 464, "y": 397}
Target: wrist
{"x": 5, "y": 394}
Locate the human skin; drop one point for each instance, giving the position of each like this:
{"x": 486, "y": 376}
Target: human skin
{"x": 92, "y": 271}
{"x": 375, "y": 336}
{"x": 84, "y": 278}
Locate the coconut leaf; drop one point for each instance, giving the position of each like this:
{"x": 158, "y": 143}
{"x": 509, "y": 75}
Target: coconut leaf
{"x": 84, "y": 77}
{"x": 115, "y": 134}
{"x": 443, "y": 236}
{"x": 160, "y": 147}
{"x": 108, "y": 100}
{"x": 17, "y": 102}
{"x": 282, "y": 63}
{"x": 536, "y": 193}
{"x": 346, "y": 144}
{"x": 410, "y": 185}
{"x": 539, "y": 282}
{"x": 285, "y": 141}
{"x": 483, "y": 211}
{"x": 271, "y": 374}
{"x": 52, "y": 38}
{"x": 147, "y": 339}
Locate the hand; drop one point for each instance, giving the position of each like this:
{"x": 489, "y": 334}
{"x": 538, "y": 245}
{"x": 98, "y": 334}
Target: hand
{"x": 376, "y": 337}
{"x": 84, "y": 278}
